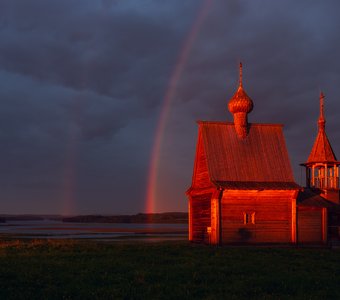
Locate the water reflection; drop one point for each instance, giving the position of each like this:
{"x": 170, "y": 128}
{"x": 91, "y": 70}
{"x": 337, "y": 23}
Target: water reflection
{"x": 102, "y": 231}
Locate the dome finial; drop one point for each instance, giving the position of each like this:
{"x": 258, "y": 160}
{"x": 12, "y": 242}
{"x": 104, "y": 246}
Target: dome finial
{"x": 322, "y": 120}
{"x": 240, "y": 75}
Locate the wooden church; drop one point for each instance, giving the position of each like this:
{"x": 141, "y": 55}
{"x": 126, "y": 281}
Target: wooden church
{"x": 243, "y": 189}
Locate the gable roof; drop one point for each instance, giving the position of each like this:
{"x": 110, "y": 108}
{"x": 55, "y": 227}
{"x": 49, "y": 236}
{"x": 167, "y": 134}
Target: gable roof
{"x": 258, "y": 161}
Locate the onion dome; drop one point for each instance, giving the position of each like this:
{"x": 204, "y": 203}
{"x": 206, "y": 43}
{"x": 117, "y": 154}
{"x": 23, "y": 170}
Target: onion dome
{"x": 240, "y": 102}
{"x": 240, "y": 105}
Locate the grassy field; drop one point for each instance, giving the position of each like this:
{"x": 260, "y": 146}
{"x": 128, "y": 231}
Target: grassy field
{"x": 168, "y": 270}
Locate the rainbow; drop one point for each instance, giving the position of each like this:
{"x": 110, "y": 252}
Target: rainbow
{"x": 168, "y": 96}
{"x": 69, "y": 183}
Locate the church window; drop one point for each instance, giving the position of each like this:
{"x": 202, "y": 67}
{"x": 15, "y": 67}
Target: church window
{"x": 248, "y": 218}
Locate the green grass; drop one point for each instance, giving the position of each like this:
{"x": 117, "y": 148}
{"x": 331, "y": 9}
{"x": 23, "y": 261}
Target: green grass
{"x": 168, "y": 270}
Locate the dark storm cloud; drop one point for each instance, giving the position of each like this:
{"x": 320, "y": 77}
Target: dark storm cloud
{"x": 86, "y": 50}
{"x": 82, "y": 84}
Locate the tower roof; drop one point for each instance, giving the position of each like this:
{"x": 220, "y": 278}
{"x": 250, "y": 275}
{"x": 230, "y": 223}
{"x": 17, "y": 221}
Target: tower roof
{"x": 322, "y": 151}
{"x": 240, "y": 102}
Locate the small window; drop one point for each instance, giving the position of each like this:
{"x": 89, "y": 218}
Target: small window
{"x": 248, "y": 218}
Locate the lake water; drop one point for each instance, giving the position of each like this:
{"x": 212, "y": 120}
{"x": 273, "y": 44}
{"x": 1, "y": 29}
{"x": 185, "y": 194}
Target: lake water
{"x": 100, "y": 231}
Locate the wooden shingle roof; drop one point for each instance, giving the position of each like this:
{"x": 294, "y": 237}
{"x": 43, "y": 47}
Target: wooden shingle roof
{"x": 322, "y": 150}
{"x": 258, "y": 161}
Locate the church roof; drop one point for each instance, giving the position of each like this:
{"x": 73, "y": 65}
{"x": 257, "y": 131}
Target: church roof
{"x": 307, "y": 197}
{"x": 322, "y": 151}
{"x": 258, "y": 161}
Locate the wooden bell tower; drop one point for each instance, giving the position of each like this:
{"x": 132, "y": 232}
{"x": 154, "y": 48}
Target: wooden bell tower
{"x": 322, "y": 167}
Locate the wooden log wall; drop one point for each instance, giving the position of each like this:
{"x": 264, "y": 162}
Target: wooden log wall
{"x": 309, "y": 220}
{"x": 201, "y": 216}
{"x": 272, "y": 211}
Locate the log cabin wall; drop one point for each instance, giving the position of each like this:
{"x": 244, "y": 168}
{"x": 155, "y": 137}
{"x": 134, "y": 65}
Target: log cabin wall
{"x": 201, "y": 216}
{"x": 310, "y": 225}
{"x": 257, "y": 216}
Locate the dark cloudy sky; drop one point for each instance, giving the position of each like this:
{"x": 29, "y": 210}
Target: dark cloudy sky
{"x": 82, "y": 84}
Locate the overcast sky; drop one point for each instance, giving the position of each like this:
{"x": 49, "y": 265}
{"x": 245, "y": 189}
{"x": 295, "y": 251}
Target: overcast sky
{"x": 82, "y": 84}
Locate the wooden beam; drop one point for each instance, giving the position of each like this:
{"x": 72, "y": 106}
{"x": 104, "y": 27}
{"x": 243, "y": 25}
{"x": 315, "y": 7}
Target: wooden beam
{"x": 190, "y": 218}
{"x": 307, "y": 176}
{"x": 215, "y": 218}
{"x": 294, "y": 218}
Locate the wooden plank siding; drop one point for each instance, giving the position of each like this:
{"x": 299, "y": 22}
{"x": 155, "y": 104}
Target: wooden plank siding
{"x": 273, "y": 216}
{"x": 201, "y": 217}
{"x": 309, "y": 220}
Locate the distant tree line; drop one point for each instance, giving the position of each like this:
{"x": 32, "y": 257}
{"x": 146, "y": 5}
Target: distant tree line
{"x": 170, "y": 217}
{"x": 5, "y": 218}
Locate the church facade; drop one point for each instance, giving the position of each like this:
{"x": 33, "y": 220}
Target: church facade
{"x": 243, "y": 189}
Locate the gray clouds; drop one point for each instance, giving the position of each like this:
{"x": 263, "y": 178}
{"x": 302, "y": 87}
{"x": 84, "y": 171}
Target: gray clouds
{"x": 82, "y": 84}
